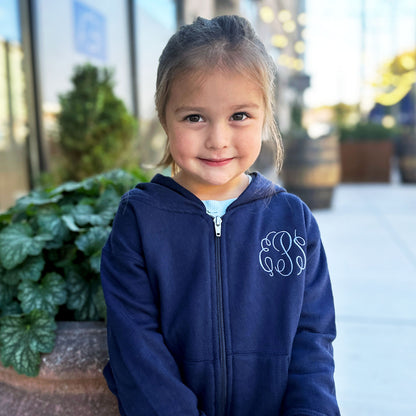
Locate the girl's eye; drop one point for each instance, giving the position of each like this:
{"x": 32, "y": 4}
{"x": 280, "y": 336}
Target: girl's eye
{"x": 193, "y": 118}
{"x": 239, "y": 116}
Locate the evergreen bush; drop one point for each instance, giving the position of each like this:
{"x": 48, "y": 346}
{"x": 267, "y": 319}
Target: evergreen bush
{"x": 96, "y": 131}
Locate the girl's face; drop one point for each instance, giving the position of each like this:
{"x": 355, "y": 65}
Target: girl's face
{"x": 214, "y": 125}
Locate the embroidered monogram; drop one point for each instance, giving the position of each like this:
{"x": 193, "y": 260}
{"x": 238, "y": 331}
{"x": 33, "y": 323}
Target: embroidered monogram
{"x": 282, "y": 253}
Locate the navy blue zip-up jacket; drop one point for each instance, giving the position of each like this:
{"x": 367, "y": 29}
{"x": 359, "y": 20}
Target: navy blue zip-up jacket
{"x": 232, "y": 319}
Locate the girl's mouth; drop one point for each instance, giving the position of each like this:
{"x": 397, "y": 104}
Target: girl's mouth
{"x": 216, "y": 162}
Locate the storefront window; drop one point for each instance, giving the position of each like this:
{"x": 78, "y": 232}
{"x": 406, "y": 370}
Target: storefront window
{"x": 155, "y": 23}
{"x": 73, "y": 32}
{"x": 14, "y": 172}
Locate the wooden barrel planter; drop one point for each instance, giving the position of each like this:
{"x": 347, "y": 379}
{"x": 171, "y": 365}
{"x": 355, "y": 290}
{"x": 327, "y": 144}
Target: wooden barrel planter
{"x": 70, "y": 381}
{"x": 406, "y": 151}
{"x": 312, "y": 170}
{"x": 366, "y": 161}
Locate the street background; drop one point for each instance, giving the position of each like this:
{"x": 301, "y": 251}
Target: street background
{"x": 370, "y": 240}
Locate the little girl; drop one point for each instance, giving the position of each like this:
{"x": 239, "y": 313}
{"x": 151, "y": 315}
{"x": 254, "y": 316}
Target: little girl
{"x": 218, "y": 295}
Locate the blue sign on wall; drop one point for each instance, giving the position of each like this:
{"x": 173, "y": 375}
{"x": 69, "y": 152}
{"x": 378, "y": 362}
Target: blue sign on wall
{"x": 9, "y": 20}
{"x": 90, "y": 31}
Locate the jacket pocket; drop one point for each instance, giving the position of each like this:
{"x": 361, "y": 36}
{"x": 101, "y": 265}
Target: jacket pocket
{"x": 258, "y": 383}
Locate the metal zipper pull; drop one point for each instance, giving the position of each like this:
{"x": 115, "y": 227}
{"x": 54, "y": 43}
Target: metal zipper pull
{"x": 217, "y": 225}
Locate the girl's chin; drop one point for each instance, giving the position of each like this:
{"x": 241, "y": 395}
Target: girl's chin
{"x": 219, "y": 188}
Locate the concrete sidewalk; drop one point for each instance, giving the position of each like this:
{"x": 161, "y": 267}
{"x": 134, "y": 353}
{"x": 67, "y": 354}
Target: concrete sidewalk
{"x": 370, "y": 238}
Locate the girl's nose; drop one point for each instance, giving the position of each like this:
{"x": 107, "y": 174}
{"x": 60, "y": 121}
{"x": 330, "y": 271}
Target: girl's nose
{"x": 218, "y": 136}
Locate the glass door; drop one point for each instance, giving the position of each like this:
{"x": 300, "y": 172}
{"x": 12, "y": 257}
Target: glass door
{"x": 14, "y": 168}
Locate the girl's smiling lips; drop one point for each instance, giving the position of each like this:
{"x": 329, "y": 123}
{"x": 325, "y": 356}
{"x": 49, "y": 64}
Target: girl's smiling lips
{"x": 216, "y": 162}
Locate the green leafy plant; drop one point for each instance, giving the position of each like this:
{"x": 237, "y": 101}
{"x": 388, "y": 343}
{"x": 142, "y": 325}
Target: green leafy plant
{"x": 50, "y": 248}
{"x": 365, "y": 131}
{"x": 95, "y": 129}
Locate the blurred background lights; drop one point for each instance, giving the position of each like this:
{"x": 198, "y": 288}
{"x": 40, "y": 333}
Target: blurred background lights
{"x": 318, "y": 129}
{"x": 284, "y": 15}
{"x": 300, "y": 47}
{"x": 302, "y": 19}
{"x": 388, "y": 121}
{"x": 289, "y": 26}
{"x": 266, "y": 14}
{"x": 290, "y": 62}
{"x": 407, "y": 62}
{"x": 280, "y": 41}
{"x": 284, "y": 60}
{"x": 298, "y": 64}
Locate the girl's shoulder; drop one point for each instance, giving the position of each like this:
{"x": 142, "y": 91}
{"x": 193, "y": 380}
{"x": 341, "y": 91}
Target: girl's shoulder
{"x": 161, "y": 193}
{"x": 282, "y": 204}
{"x": 274, "y": 193}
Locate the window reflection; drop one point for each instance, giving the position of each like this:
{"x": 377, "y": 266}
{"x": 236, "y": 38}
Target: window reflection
{"x": 14, "y": 177}
{"x": 71, "y": 33}
{"x": 155, "y": 24}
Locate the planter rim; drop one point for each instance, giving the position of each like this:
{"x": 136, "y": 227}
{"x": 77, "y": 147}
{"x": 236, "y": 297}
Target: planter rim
{"x": 68, "y": 368}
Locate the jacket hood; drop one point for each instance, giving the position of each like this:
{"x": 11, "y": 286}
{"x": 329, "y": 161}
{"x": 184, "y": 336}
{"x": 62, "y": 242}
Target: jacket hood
{"x": 163, "y": 190}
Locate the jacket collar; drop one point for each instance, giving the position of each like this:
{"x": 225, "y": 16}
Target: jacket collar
{"x": 259, "y": 188}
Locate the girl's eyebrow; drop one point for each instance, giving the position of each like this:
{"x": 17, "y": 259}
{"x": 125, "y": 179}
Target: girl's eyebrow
{"x": 185, "y": 109}
{"x": 245, "y": 106}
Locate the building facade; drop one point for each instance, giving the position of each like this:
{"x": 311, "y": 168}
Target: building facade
{"x": 41, "y": 41}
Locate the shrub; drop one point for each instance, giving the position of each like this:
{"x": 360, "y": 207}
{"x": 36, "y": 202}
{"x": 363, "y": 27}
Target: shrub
{"x": 95, "y": 129}
{"x": 50, "y": 248}
{"x": 365, "y": 132}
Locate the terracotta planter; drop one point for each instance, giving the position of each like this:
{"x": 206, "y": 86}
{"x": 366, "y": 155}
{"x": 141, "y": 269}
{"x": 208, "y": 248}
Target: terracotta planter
{"x": 70, "y": 381}
{"x": 367, "y": 161}
{"x": 312, "y": 170}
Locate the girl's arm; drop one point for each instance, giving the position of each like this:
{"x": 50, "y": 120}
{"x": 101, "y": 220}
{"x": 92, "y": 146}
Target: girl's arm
{"x": 141, "y": 373}
{"x": 311, "y": 389}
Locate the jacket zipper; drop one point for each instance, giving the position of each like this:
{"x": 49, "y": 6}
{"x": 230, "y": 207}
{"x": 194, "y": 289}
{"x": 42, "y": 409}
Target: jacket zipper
{"x": 220, "y": 313}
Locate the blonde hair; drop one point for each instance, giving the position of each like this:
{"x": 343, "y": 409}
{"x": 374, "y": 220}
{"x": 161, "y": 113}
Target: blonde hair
{"x": 228, "y": 43}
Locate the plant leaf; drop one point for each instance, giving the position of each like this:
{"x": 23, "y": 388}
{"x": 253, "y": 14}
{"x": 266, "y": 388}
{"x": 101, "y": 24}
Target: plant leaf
{"x": 99, "y": 302}
{"x": 107, "y": 205}
{"x": 93, "y": 240}
{"x": 70, "y": 186}
{"x": 30, "y": 269}
{"x": 84, "y": 186}
{"x": 16, "y": 243}
{"x": 69, "y": 220}
{"x": 23, "y": 338}
{"x": 81, "y": 294}
{"x": 84, "y": 214}
{"x": 12, "y": 308}
{"x": 46, "y": 296}
{"x": 52, "y": 224}
{"x": 95, "y": 262}
{"x": 7, "y": 293}
{"x": 5, "y": 217}
{"x": 37, "y": 198}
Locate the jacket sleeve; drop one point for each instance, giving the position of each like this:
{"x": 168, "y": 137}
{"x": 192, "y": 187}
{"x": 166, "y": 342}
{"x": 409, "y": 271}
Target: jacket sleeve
{"x": 141, "y": 372}
{"x": 311, "y": 390}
